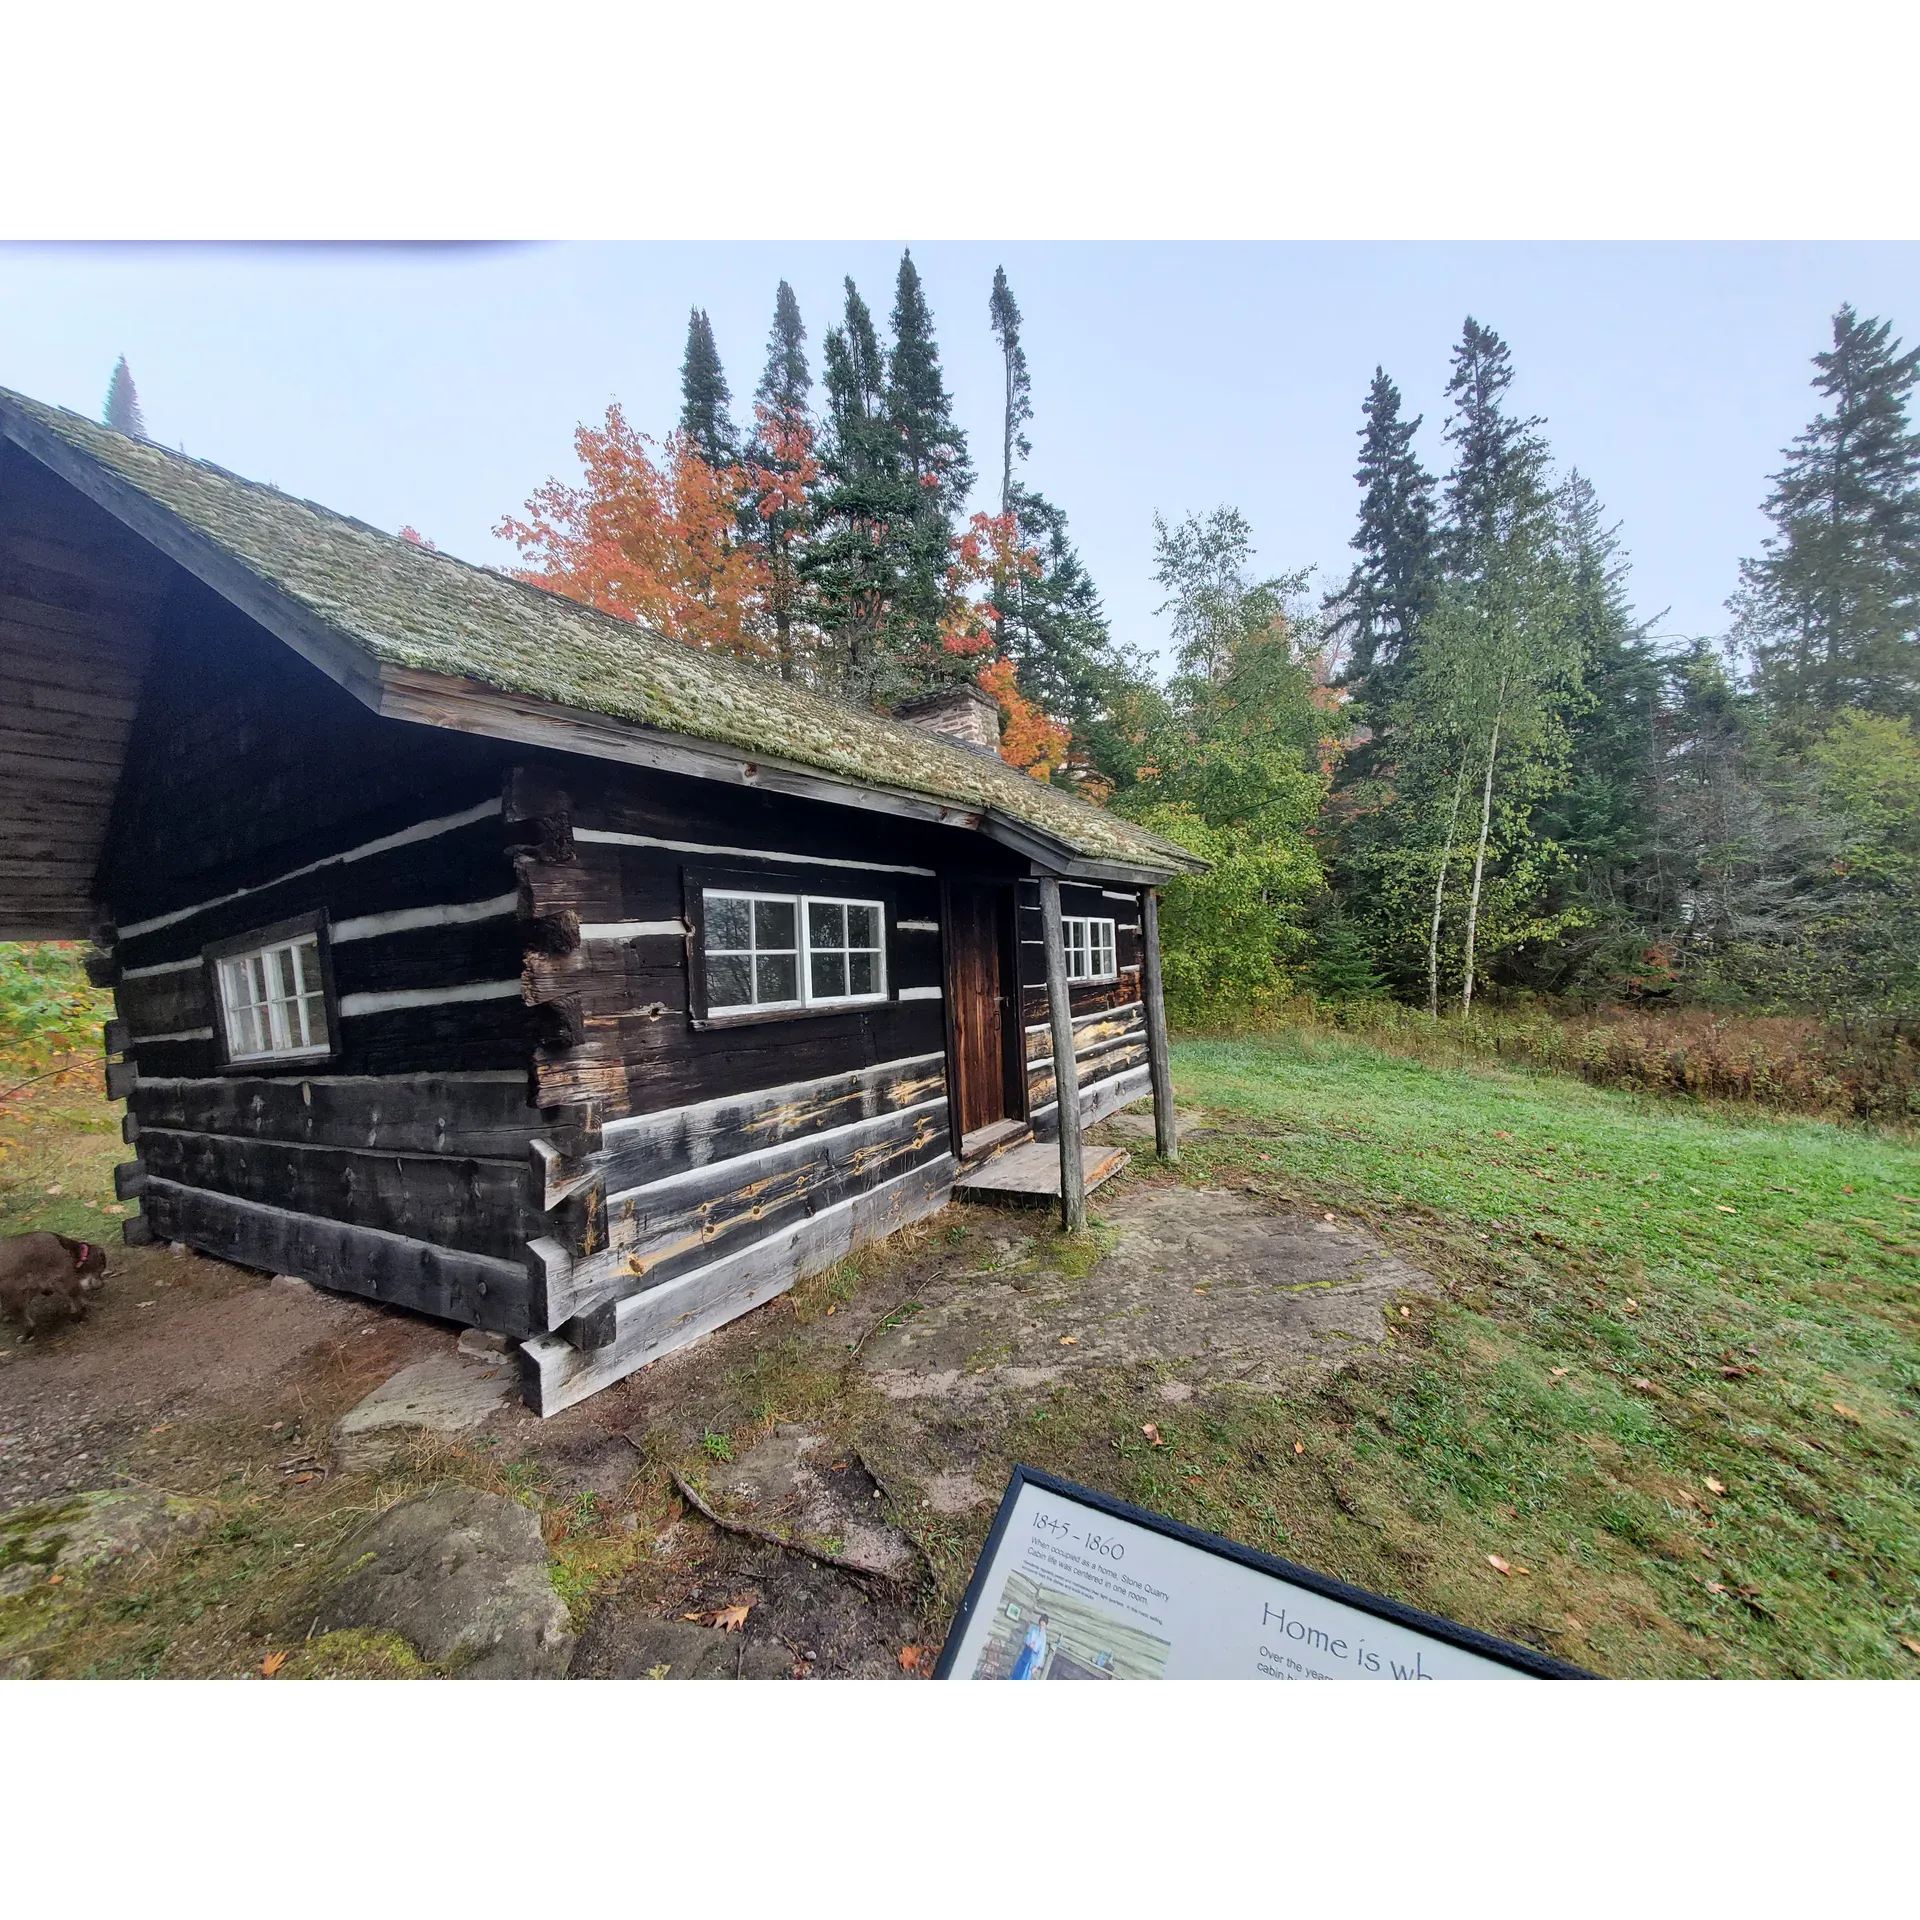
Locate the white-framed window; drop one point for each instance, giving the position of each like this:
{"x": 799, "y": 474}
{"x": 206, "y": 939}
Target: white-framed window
{"x": 273, "y": 1002}
{"x": 1090, "y": 949}
{"x": 768, "y": 951}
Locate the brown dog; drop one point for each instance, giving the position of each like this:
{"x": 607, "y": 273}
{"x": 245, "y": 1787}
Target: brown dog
{"x": 46, "y": 1276}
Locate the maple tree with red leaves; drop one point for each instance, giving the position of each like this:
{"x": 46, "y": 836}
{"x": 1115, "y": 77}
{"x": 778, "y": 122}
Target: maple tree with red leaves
{"x": 651, "y": 539}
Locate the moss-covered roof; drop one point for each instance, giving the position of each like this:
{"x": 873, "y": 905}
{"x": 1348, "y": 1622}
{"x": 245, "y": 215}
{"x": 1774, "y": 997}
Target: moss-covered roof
{"x": 406, "y": 606}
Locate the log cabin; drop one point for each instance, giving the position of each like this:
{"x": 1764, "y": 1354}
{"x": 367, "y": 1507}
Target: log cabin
{"x": 487, "y": 955}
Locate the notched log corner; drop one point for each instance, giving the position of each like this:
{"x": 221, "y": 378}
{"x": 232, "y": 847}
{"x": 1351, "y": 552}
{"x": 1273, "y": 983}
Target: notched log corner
{"x": 558, "y": 1023}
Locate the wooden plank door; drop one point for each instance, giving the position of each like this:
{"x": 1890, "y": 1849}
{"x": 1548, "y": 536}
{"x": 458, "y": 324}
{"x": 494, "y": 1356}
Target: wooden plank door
{"x": 981, "y": 1007}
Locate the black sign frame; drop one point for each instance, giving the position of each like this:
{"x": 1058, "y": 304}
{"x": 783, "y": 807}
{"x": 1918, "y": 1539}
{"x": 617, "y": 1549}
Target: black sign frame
{"x": 1506, "y": 1653}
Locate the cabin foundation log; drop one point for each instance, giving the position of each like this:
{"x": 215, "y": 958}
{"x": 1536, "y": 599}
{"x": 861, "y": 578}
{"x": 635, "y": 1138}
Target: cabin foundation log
{"x": 556, "y": 1374}
{"x": 398, "y": 1271}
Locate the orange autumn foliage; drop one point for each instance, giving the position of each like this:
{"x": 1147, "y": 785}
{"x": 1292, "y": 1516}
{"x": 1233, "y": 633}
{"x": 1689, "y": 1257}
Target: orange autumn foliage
{"x": 985, "y": 558}
{"x": 1029, "y": 740}
{"x": 649, "y": 539}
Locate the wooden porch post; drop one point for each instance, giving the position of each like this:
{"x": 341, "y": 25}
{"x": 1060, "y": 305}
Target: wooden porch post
{"x": 1066, "y": 1072}
{"x": 1166, "y": 1137}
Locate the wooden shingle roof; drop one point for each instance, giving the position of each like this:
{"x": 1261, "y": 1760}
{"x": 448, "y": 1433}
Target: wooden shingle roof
{"x": 426, "y": 637}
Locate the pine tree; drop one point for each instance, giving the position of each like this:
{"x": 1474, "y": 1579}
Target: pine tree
{"x": 1377, "y": 614}
{"x": 122, "y": 412}
{"x": 704, "y": 399}
{"x": 783, "y": 471}
{"x": 1830, "y": 612}
{"x": 1004, "y": 311}
{"x": 933, "y": 453}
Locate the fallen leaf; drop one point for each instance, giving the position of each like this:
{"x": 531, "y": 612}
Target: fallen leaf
{"x": 1713, "y": 1485}
{"x": 1560, "y": 1373}
{"x": 1718, "y": 1208}
{"x": 1575, "y": 1624}
{"x": 1912, "y": 1646}
{"x": 1714, "y": 1586}
{"x": 1069, "y": 1340}
{"x": 1734, "y": 1373}
{"x": 1406, "y": 1313}
{"x": 1685, "y": 1497}
{"x": 1505, "y": 1136}
{"x": 1497, "y": 1564}
{"x": 732, "y": 1619}
{"x": 54, "y": 1579}
{"x": 1299, "y": 1446}
{"x": 831, "y": 1311}
{"x": 272, "y": 1665}
{"x": 1906, "y": 1200}
{"x": 1847, "y": 1413}
{"x": 1630, "y": 1306}
{"x": 1641, "y": 1381}
{"x": 916, "y": 1659}
{"x": 1326, "y": 1216}
{"x": 1153, "y": 1434}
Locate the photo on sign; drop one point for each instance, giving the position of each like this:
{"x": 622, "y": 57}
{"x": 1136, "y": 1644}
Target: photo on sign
{"x": 1040, "y": 1633}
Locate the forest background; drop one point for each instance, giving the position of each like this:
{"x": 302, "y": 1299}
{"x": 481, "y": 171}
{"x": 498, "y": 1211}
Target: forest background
{"x": 1462, "y": 793}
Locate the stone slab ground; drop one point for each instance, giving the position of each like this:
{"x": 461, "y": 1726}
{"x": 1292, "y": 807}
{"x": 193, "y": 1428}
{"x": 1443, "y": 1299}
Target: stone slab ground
{"x": 872, "y": 1415}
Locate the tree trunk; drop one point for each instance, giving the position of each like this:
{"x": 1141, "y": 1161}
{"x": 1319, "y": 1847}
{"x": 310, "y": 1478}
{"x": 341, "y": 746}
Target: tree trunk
{"x": 1440, "y": 894}
{"x": 1480, "y": 853}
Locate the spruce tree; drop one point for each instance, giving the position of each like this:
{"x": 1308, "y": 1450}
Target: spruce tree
{"x": 704, "y": 399}
{"x": 1602, "y": 820}
{"x": 781, "y": 451}
{"x": 1498, "y": 486}
{"x": 1830, "y": 611}
{"x": 1055, "y": 631}
{"x": 1378, "y": 611}
{"x": 1004, "y": 311}
{"x": 122, "y": 411}
{"x": 933, "y": 454}
{"x": 862, "y": 544}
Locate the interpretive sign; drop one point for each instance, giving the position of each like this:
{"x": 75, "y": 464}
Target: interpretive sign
{"x": 1074, "y": 1586}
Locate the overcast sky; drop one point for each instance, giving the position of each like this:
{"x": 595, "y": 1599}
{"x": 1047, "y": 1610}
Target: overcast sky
{"x": 438, "y": 387}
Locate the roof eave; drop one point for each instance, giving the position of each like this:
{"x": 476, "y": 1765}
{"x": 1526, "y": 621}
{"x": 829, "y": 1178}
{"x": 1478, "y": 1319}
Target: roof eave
{"x": 297, "y": 626}
{"x": 432, "y": 699}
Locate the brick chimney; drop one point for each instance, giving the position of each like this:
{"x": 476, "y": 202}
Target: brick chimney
{"x": 962, "y": 715}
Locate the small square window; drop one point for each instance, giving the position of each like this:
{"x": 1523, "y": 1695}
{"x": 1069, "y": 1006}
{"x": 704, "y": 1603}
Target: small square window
{"x": 273, "y": 1001}
{"x": 1090, "y": 949}
{"x": 751, "y": 957}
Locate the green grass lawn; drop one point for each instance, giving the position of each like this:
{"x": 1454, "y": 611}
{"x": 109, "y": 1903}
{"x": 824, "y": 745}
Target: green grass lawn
{"x": 1644, "y": 1302}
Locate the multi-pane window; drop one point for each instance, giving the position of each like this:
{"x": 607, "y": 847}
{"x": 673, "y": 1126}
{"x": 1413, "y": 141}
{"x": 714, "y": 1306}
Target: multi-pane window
{"x": 1090, "y": 951}
{"x": 273, "y": 1004}
{"x": 765, "y": 951}
{"x": 844, "y": 950}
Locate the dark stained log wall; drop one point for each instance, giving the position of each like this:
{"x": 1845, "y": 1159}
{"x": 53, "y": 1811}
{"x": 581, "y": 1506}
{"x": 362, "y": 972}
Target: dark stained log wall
{"x": 79, "y": 597}
{"x": 1109, "y": 1033}
{"x": 716, "y": 1136}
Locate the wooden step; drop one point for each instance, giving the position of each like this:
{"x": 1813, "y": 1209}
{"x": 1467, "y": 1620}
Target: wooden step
{"x": 1032, "y": 1171}
{"x": 994, "y": 1138}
